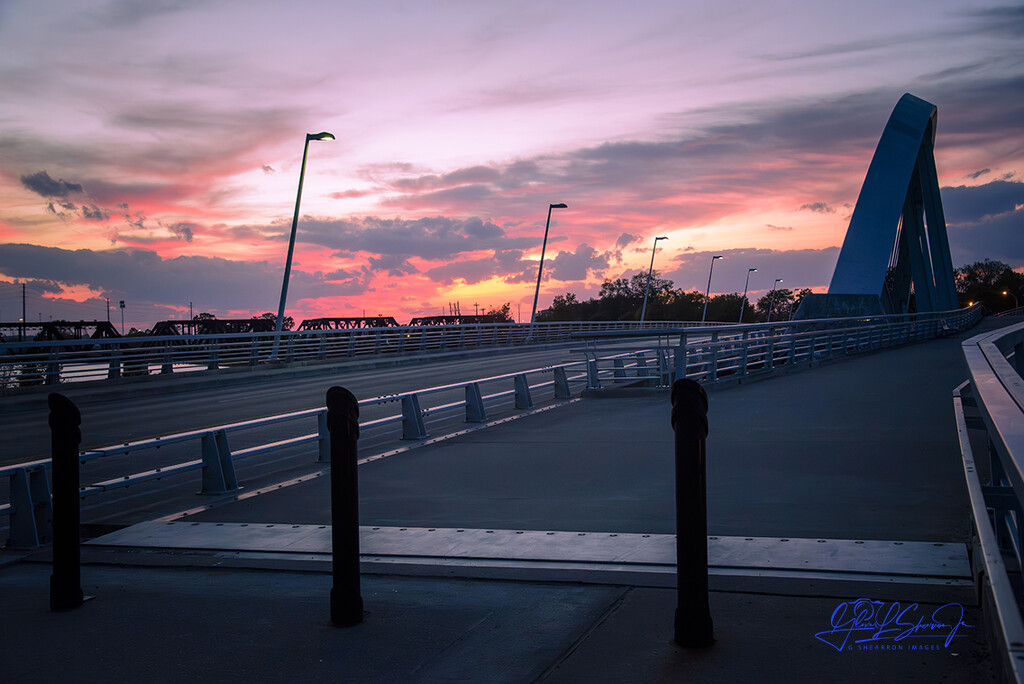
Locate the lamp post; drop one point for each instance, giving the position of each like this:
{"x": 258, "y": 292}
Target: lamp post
{"x": 650, "y": 273}
{"x": 291, "y": 240}
{"x": 540, "y": 269}
{"x": 122, "y": 317}
{"x": 707, "y": 294}
{"x": 743, "y": 302}
{"x": 1015, "y": 303}
{"x": 771, "y": 301}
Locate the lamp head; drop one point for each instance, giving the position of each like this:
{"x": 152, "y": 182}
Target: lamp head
{"x": 751, "y": 270}
{"x": 660, "y": 237}
{"x": 324, "y": 135}
{"x": 717, "y": 257}
{"x": 560, "y": 205}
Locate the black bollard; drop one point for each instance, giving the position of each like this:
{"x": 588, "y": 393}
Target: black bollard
{"x": 693, "y": 626}
{"x": 343, "y": 425}
{"x": 65, "y": 437}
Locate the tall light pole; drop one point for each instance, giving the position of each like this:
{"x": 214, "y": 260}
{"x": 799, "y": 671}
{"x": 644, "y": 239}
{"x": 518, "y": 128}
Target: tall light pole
{"x": 650, "y": 273}
{"x": 707, "y": 294}
{"x": 291, "y": 240}
{"x": 743, "y": 302}
{"x": 122, "y": 317}
{"x": 771, "y": 301}
{"x": 540, "y": 269}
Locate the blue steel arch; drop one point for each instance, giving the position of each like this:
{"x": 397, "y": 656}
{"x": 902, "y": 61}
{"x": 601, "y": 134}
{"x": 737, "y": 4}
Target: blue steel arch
{"x": 896, "y": 242}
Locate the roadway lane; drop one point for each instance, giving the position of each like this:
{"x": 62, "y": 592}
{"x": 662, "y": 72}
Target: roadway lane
{"x": 176, "y": 404}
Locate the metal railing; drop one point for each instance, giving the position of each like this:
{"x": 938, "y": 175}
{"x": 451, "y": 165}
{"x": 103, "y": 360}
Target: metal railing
{"x": 716, "y": 354}
{"x": 989, "y": 411}
{"x": 707, "y": 355}
{"x": 30, "y": 507}
{"x": 30, "y": 363}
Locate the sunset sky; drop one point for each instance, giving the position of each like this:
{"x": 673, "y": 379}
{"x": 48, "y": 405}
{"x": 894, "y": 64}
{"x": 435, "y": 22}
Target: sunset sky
{"x": 150, "y": 149}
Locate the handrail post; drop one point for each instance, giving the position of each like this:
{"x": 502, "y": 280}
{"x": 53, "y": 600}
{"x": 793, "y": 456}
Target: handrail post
{"x": 343, "y": 424}
{"x": 475, "y": 411}
{"x": 413, "y": 426}
{"x": 323, "y": 443}
{"x": 218, "y": 468}
{"x": 65, "y": 437}
{"x": 523, "y": 400}
{"x": 561, "y": 383}
{"x": 693, "y": 624}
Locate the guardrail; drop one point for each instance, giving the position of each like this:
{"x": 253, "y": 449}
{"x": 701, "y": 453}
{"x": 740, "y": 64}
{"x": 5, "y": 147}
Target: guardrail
{"x": 989, "y": 410}
{"x": 717, "y": 354}
{"x": 707, "y": 355}
{"x": 30, "y": 505}
{"x": 24, "y": 364}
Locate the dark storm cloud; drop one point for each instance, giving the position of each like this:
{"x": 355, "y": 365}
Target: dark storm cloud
{"x": 433, "y": 238}
{"x": 577, "y": 265}
{"x": 184, "y": 230}
{"x": 42, "y": 184}
{"x": 963, "y": 204}
{"x": 144, "y": 276}
{"x": 798, "y": 268}
{"x": 91, "y": 212}
{"x": 985, "y": 222}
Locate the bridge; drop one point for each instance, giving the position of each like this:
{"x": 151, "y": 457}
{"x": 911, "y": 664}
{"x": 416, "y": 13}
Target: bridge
{"x": 517, "y": 506}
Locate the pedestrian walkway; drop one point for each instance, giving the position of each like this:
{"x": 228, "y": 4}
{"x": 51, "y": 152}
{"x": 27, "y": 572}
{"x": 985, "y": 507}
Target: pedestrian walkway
{"x": 825, "y": 486}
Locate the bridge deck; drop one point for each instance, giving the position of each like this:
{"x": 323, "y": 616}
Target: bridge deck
{"x": 863, "y": 450}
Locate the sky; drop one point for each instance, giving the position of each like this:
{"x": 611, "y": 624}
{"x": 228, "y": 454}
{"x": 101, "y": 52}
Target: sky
{"x": 150, "y": 149}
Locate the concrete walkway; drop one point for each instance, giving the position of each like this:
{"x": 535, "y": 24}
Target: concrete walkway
{"x": 859, "y": 451}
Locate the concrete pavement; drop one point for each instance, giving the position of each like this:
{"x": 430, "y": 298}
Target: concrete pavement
{"x": 859, "y": 451}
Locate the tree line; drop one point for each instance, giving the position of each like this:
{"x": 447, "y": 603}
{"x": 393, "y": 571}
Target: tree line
{"x": 623, "y": 300}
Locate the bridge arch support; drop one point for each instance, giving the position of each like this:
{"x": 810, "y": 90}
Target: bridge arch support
{"x": 896, "y": 244}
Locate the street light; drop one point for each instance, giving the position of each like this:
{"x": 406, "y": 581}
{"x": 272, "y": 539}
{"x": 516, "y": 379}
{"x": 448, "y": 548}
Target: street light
{"x": 771, "y": 302}
{"x": 708, "y": 293}
{"x": 291, "y": 240}
{"x": 1015, "y": 303}
{"x": 122, "y": 317}
{"x": 540, "y": 269}
{"x": 743, "y": 302}
{"x": 650, "y": 272}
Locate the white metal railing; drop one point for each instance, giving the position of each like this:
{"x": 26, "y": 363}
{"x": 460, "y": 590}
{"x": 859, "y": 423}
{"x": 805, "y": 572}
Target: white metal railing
{"x": 991, "y": 403}
{"x": 30, "y": 363}
{"x": 29, "y": 505}
{"x": 715, "y": 354}
{"x": 707, "y": 354}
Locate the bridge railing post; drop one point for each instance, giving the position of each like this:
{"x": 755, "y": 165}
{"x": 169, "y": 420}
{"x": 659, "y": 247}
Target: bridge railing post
{"x": 523, "y": 398}
{"x": 343, "y": 424}
{"x": 475, "y": 410}
{"x": 65, "y": 437}
{"x": 413, "y": 426}
{"x": 31, "y": 508}
{"x": 218, "y": 467}
{"x": 561, "y": 383}
{"x": 593, "y": 377}
{"x": 693, "y": 624}
{"x": 323, "y": 439}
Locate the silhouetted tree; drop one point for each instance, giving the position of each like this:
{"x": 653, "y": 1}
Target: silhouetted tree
{"x": 288, "y": 324}
{"x": 780, "y": 302}
{"x": 504, "y": 312}
{"x": 985, "y": 281}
